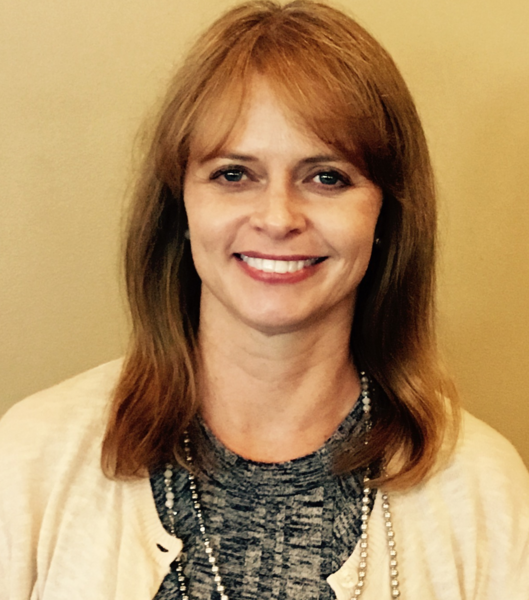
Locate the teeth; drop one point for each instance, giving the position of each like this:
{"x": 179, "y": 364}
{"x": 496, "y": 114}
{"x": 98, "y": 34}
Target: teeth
{"x": 277, "y": 266}
{"x": 268, "y": 265}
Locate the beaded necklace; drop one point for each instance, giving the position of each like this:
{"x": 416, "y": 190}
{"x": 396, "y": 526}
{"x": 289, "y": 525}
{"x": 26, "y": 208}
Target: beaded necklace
{"x": 363, "y": 542}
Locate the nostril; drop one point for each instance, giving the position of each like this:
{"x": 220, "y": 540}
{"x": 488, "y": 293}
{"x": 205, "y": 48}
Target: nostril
{"x": 161, "y": 548}
{"x": 279, "y": 220}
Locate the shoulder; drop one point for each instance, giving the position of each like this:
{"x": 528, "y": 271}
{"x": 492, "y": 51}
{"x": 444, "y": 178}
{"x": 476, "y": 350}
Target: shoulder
{"x": 484, "y": 455}
{"x": 56, "y": 503}
{"x": 50, "y": 428}
{"x": 486, "y": 479}
{"x": 469, "y": 521}
{"x": 79, "y": 400}
{"x": 484, "y": 469}
{"x": 467, "y": 525}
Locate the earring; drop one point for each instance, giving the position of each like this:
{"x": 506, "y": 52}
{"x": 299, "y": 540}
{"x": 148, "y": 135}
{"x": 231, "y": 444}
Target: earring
{"x": 187, "y": 235}
{"x": 378, "y": 241}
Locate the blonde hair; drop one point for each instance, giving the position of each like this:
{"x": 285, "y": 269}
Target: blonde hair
{"x": 342, "y": 85}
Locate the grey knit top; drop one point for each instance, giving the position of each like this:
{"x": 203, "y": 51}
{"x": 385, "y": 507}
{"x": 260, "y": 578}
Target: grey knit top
{"x": 278, "y": 530}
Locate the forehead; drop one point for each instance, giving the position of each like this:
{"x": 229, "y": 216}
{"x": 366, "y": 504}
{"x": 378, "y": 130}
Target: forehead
{"x": 256, "y": 121}
{"x": 332, "y": 116}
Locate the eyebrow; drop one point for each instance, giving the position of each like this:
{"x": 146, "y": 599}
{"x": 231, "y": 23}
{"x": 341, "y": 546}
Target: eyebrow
{"x": 241, "y": 157}
{"x": 323, "y": 158}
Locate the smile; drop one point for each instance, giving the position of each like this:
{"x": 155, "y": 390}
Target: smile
{"x": 267, "y": 265}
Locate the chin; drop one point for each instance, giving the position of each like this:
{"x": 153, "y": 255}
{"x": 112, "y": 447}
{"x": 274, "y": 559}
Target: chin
{"x": 271, "y": 330}
{"x": 275, "y": 324}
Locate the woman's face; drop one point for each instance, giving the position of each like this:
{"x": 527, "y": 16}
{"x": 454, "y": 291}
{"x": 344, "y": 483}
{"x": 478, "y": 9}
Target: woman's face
{"x": 281, "y": 226}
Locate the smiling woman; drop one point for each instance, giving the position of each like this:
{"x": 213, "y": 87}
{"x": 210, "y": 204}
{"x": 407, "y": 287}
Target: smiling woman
{"x": 281, "y": 427}
{"x": 283, "y": 236}
{"x": 251, "y": 90}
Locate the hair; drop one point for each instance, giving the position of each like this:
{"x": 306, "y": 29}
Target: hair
{"x": 343, "y": 86}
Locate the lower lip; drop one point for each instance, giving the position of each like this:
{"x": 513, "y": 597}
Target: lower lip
{"x": 276, "y": 278}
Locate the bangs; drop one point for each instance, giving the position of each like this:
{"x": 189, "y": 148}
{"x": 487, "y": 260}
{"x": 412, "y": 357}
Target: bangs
{"x": 219, "y": 116}
{"x": 326, "y": 88}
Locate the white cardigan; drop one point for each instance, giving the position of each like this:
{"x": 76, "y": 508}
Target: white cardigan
{"x": 69, "y": 533}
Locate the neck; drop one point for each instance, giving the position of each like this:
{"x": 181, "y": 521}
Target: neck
{"x": 273, "y": 398}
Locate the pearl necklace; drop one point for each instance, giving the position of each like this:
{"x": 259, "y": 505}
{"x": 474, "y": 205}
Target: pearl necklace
{"x": 363, "y": 542}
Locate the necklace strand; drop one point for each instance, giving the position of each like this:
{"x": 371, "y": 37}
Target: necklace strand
{"x": 363, "y": 541}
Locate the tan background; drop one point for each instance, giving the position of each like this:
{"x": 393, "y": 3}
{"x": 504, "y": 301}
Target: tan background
{"x": 78, "y": 77}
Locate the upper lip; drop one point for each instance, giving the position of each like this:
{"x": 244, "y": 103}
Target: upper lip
{"x": 292, "y": 257}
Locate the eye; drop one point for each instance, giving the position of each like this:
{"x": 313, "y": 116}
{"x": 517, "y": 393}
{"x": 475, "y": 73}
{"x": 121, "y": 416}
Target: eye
{"x": 230, "y": 174}
{"x": 332, "y": 179}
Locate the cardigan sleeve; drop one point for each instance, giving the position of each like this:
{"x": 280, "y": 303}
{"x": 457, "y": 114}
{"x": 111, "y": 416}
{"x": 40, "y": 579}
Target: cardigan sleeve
{"x": 66, "y": 530}
{"x": 41, "y": 437}
{"x": 463, "y": 534}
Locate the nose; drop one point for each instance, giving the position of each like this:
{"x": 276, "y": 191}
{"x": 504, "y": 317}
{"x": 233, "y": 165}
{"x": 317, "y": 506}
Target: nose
{"x": 279, "y": 211}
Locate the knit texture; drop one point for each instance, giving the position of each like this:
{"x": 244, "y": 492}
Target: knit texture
{"x": 278, "y": 530}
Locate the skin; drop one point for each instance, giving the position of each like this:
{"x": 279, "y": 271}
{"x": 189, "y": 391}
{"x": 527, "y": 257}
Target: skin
{"x": 276, "y": 375}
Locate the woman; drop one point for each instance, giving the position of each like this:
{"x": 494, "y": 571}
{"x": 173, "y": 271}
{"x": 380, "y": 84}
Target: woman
{"x": 280, "y": 427}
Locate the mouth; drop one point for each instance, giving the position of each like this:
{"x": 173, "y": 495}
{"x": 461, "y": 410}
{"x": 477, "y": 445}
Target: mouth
{"x": 279, "y": 265}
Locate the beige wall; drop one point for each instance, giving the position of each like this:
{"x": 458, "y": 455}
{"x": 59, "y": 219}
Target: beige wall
{"x": 78, "y": 77}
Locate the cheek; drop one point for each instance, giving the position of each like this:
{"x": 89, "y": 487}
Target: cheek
{"x": 215, "y": 220}
{"x": 353, "y": 234}
{"x": 351, "y": 222}
{"x": 202, "y": 217}
{"x": 212, "y": 230}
